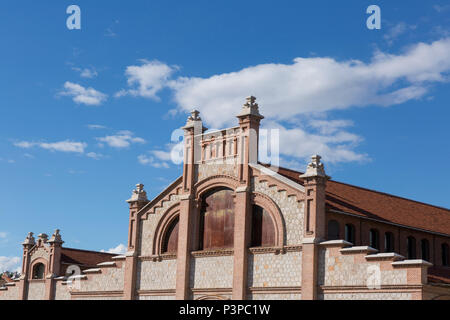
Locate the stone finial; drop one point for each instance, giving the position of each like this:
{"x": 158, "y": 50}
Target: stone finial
{"x": 250, "y": 108}
{"x": 56, "y": 238}
{"x": 195, "y": 116}
{"x": 138, "y": 194}
{"x": 315, "y": 168}
{"x": 29, "y": 240}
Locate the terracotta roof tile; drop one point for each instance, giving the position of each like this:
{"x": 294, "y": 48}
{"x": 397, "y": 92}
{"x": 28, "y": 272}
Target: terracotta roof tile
{"x": 381, "y": 206}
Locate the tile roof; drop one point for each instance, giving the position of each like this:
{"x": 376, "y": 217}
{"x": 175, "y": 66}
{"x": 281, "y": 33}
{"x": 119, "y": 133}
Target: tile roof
{"x": 83, "y": 258}
{"x": 381, "y": 206}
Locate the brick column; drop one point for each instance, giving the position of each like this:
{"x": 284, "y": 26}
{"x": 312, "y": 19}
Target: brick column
{"x": 23, "y": 284}
{"x": 314, "y": 225}
{"x": 242, "y": 231}
{"x": 137, "y": 202}
{"x": 55, "y": 243}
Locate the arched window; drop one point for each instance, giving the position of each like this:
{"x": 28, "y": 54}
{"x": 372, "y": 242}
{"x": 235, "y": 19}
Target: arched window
{"x": 389, "y": 242}
{"x": 38, "y": 271}
{"x": 411, "y": 247}
{"x": 445, "y": 255}
{"x": 425, "y": 248}
{"x": 217, "y": 220}
{"x": 263, "y": 230}
{"x": 350, "y": 233}
{"x": 333, "y": 230}
{"x": 170, "y": 241}
{"x": 374, "y": 239}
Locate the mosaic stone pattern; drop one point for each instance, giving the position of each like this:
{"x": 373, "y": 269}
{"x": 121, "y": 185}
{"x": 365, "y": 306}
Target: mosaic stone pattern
{"x": 11, "y": 294}
{"x": 148, "y": 227}
{"x": 62, "y": 292}
{"x": 156, "y": 275}
{"x": 212, "y": 272}
{"x": 291, "y": 209}
{"x": 367, "y": 296}
{"x": 111, "y": 279}
{"x": 343, "y": 271}
{"x": 36, "y": 290}
{"x": 217, "y": 168}
{"x": 270, "y": 270}
{"x": 275, "y": 296}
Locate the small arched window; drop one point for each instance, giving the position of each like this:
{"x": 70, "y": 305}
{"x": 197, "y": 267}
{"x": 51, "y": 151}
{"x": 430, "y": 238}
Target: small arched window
{"x": 350, "y": 233}
{"x": 389, "y": 242}
{"x": 425, "y": 248}
{"x": 411, "y": 247}
{"x": 170, "y": 241}
{"x": 38, "y": 271}
{"x": 333, "y": 230}
{"x": 445, "y": 255}
{"x": 263, "y": 230}
{"x": 217, "y": 219}
{"x": 374, "y": 239}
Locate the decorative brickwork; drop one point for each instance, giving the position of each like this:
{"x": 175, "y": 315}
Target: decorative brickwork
{"x": 156, "y": 275}
{"x": 212, "y": 272}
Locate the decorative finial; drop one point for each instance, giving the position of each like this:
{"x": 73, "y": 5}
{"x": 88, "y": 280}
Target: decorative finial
{"x": 194, "y": 116}
{"x": 315, "y": 168}
{"x": 56, "y": 237}
{"x": 29, "y": 240}
{"x": 250, "y": 107}
{"x": 138, "y": 194}
{"x": 194, "y": 121}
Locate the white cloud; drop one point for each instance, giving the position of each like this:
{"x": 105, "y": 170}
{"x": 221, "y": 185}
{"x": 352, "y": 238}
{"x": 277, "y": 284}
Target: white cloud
{"x": 3, "y": 235}
{"x": 151, "y": 161}
{"x": 94, "y": 155}
{"x": 306, "y": 88}
{"x": 63, "y": 146}
{"x": 147, "y": 79}
{"x": 96, "y": 126}
{"x": 120, "y": 249}
{"x": 80, "y": 94}
{"x": 10, "y": 264}
{"x": 86, "y": 72}
{"x": 122, "y": 139}
{"x": 397, "y": 30}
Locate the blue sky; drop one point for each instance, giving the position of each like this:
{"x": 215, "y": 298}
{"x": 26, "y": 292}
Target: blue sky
{"x": 86, "y": 114}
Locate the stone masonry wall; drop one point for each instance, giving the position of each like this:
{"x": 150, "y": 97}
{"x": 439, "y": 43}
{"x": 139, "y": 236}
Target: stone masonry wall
{"x": 12, "y": 293}
{"x": 270, "y": 270}
{"x": 156, "y": 275}
{"x": 111, "y": 279}
{"x": 291, "y": 209}
{"x": 212, "y": 272}
{"x": 344, "y": 270}
{"x": 36, "y": 290}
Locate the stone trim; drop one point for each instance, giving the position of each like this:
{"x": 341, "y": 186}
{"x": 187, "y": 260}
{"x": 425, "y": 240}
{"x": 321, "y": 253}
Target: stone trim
{"x": 213, "y": 253}
{"x": 275, "y": 250}
{"x": 122, "y": 257}
{"x": 415, "y": 262}
{"x": 93, "y": 270}
{"x": 336, "y": 243}
{"x": 385, "y": 256}
{"x": 361, "y": 289}
{"x": 158, "y": 257}
{"x": 97, "y": 293}
{"x": 211, "y": 290}
{"x": 359, "y": 249}
{"x": 215, "y": 181}
{"x": 169, "y": 292}
{"x": 278, "y": 177}
{"x": 107, "y": 264}
{"x": 281, "y": 290}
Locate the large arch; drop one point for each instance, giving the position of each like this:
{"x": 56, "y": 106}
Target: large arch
{"x": 36, "y": 262}
{"x": 272, "y": 208}
{"x": 214, "y": 182}
{"x": 161, "y": 228}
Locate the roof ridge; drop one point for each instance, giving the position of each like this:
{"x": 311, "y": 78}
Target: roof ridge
{"x": 92, "y": 251}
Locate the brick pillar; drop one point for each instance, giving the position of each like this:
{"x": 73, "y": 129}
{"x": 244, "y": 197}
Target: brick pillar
{"x": 23, "y": 283}
{"x": 188, "y": 211}
{"x": 137, "y": 201}
{"x": 242, "y": 231}
{"x": 249, "y": 120}
{"x": 314, "y": 225}
{"x": 55, "y": 243}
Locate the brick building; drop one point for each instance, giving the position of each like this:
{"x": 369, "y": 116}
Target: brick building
{"x": 233, "y": 228}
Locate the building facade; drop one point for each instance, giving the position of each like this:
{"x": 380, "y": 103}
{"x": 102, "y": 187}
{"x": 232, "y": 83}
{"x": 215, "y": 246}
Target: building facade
{"x": 233, "y": 228}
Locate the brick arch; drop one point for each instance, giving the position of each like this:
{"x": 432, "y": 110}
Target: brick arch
{"x": 212, "y": 297}
{"x": 213, "y": 182}
{"x": 34, "y": 263}
{"x": 274, "y": 211}
{"x": 163, "y": 224}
